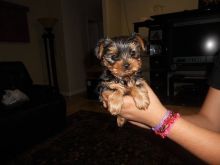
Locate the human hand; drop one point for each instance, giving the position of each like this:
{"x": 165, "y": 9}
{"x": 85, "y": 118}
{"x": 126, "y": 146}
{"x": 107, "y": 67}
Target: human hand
{"x": 149, "y": 117}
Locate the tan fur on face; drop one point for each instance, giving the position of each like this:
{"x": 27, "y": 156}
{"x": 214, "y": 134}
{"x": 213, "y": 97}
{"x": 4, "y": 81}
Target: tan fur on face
{"x": 132, "y": 46}
{"x": 118, "y": 69}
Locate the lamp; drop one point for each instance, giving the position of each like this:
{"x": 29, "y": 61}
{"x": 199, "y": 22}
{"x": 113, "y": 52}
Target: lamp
{"x": 48, "y": 22}
{"x": 48, "y": 37}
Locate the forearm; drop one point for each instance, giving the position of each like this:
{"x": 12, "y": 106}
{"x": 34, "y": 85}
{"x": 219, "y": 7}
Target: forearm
{"x": 194, "y": 133}
{"x": 200, "y": 120}
{"x": 208, "y": 116}
{"x": 201, "y": 142}
{"x": 204, "y": 121}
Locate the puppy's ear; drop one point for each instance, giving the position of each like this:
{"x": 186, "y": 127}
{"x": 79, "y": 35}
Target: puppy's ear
{"x": 139, "y": 39}
{"x": 99, "y": 50}
{"x": 100, "y": 47}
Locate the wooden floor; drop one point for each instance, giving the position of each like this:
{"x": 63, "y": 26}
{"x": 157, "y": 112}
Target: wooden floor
{"x": 81, "y": 102}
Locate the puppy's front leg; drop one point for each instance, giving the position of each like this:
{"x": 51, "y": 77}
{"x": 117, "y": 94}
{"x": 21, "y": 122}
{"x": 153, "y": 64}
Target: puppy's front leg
{"x": 140, "y": 94}
{"x": 113, "y": 100}
{"x": 120, "y": 121}
{"x": 112, "y": 96}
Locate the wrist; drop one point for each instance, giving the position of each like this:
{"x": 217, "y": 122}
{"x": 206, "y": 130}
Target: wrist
{"x": 160, "y": 123}
{"x": 166, "y": 123}
{"x": 157, "y": 116}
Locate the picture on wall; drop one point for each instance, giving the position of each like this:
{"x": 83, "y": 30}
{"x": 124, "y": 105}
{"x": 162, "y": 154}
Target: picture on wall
{"x": 14, "y": 23}
{"x": 204, "y": 4}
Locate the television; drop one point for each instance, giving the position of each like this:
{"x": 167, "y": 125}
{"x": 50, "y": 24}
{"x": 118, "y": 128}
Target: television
{"x": 195, "y": 41}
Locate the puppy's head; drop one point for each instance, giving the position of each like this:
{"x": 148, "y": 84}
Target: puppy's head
{"x": 121, "y": 55}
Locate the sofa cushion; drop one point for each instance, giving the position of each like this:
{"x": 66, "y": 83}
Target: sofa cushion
{"x": 14, "y": 75}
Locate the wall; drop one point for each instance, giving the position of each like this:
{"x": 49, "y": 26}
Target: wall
{"x": 73, "y": 29}
{"x": 29, "y": 53}
{"x": 112, "y": 17}
{"x": 76, "y": 16}
{"x": 71, "y": 41}
{"x": 126, "y": 12}
{"x": 32, "y": 54}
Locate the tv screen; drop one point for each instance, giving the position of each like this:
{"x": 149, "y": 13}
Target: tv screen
{"x": 195, "y": 39}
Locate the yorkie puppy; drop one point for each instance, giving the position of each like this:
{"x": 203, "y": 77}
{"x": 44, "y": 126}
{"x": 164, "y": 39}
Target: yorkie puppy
{"x": 121, "y": 58}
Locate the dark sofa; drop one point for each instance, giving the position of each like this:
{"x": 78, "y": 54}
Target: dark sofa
{"x": 24, "y": 124}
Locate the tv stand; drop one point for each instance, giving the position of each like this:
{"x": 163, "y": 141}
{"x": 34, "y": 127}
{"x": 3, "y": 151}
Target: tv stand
{"x": 187, "y": 90}
{"x": 177, "y": 79}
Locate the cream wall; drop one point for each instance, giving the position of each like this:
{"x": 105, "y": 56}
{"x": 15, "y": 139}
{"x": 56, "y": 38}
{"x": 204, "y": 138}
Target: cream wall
{"x": 29, "y": 53}
{"x": 74, "y": 26}
{"x": 71, "y": 41}
{"x": 76, "y": 16}
{"x": 112, "y": 17}
{"x": 32, "y": 53}
{"x": 126, "y": 12}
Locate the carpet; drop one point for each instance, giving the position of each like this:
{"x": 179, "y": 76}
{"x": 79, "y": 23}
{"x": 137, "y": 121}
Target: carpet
{"x": 94, "y": 138}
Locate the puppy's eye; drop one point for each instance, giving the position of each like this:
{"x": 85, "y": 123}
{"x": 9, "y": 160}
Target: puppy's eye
{"x": 115, "y": 57}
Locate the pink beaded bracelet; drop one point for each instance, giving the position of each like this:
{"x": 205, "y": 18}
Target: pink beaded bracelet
{"x": 157, "y": 127}
{"x": 163, "y": 128}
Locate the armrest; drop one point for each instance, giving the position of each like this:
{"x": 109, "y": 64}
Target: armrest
{"x": 42, "y": 92}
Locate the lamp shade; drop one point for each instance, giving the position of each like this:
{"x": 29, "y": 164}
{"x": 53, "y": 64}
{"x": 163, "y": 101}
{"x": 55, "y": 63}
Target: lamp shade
{"x": 47, "y": 22}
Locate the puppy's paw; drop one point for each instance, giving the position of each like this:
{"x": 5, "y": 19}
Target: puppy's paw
{"x": 115, "y": 105}
{"x": 121, "y": 121}
{"x": 105, "y": 105}
{"x": 142, "y": 101}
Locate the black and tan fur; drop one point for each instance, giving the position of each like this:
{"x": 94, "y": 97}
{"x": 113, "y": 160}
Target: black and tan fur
{"x": 121, "y": 58}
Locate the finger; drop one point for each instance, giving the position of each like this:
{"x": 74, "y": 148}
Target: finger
{"x": 139, "y": 124}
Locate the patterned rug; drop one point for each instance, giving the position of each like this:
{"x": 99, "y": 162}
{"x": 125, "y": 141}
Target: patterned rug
{"x": 94, "y": 139}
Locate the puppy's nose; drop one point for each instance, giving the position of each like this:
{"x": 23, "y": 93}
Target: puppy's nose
{"x": 126, "y": 65}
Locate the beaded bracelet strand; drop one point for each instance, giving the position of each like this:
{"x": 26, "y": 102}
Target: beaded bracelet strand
{"x": 157, "y": 127}
{"x": 163, "y": 128}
